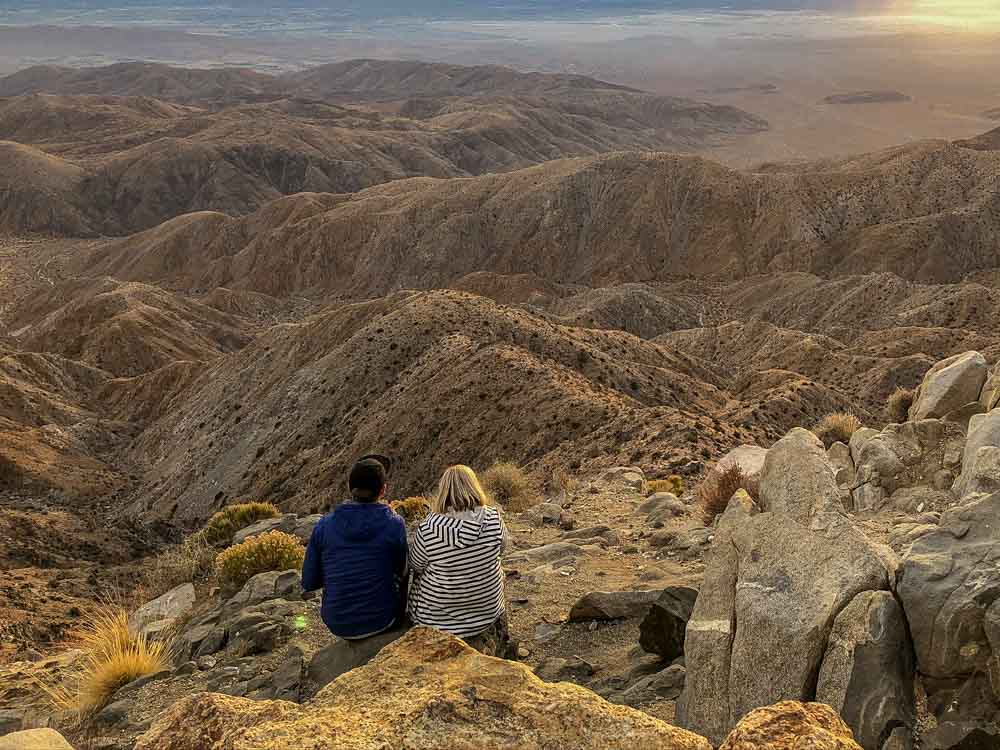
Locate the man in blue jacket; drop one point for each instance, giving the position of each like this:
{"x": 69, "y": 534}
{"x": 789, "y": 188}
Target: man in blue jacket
{"x": 357, "y": 555}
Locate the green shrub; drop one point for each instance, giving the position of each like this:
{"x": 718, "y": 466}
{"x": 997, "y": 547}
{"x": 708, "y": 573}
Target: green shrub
{"x": 509, "y": 486}
{"x": 221, "y": 526}
{"x": 413, "y": 509}
{"x": 718, "y": 488}
{"x": 673, "y": 484}
{"x": 899, "y": 404}
{"x": 272, "y": 550}
{"x": 838, "y": 427}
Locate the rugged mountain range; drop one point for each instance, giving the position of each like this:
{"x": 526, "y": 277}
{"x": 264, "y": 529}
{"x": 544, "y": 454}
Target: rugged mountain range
{"x": 93, "y": 153}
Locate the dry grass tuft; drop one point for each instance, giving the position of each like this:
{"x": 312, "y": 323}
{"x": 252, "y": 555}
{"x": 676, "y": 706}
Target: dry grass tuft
{"x": 413, "y": 509}
{"x": 899, "y": 404}
{"x": 273, "y": 550}
{"x": 189, "y": 561}
{"x": 719, "y": 487}
{"x": 221, "y": 526}
{"x": 113, "y": 657}
{"x": 673, "y": 484}
{"x": 509, "y": 487}
{"x": 837, "y": 427}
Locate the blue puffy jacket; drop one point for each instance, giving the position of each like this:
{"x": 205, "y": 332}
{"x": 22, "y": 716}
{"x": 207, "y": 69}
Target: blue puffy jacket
{"x": 357, "y": 555}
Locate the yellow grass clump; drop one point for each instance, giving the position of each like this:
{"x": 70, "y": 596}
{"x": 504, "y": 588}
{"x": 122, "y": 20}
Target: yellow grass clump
{"x": 719, "y": 487}
{"x": 674, "y": 484}
{"x": 837, "y": 427}
{"x": 273, "y": 550}
{"x": 113, "y": 657}
{"x": 221, "y": 526}
{"x": 509, "y": 486}
{"x": 413, "y": 509}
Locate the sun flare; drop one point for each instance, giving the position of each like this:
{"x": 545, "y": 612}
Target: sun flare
{"x": 971, "y": 14}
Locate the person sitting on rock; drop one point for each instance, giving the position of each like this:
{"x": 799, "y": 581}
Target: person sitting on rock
{"x": 357, "y": 554}
{"x": 458, "y": 584}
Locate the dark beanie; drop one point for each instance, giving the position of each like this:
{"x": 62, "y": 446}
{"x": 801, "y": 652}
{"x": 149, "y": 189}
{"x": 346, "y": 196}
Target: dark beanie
{"x": 367, "y": 479}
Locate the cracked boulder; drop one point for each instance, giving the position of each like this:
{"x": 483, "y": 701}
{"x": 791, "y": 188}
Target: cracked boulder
{"x": 949, "y": 587}
{"x": 903, "y": 456}
{"x": 774, "y": 585}
{"x": 867, "y": 673}
{"x": 980, "y": 470}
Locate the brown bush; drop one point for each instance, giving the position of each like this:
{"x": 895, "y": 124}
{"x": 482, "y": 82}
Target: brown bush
{"x": 186, "y": 562}
{"x": 718, "y": 488}
{"x": 509, "y": 486}
{"x": 272, "y": 550}
{"x": 899, "y": 404}
{"x": 837, "y": 427}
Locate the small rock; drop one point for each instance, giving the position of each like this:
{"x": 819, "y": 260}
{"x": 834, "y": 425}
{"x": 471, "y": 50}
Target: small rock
{"x": 663, "y": 628}
{"x": 523, "y": 652}
{"x": 573, "y": 669}
{"x": 188, "y": 667}
{"x": 613, "y": 605}
{"x": 114, "y": 714}
{"x": 961, "y": 736}
{"x": 206, "y": 663}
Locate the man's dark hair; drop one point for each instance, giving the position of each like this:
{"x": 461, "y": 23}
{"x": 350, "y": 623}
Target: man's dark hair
{"x": 366, "y": 480}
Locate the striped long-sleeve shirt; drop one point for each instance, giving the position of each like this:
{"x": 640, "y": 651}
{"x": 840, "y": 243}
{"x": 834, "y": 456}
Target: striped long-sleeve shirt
{"x": 458, "y": 581}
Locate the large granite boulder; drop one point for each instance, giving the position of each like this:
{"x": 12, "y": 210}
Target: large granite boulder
{"x": 772, "y": 590}
{"x": 791, "y": 725}
{"x": 164, "y": 610}
{"x": 950, "y": 385}
{"x": 906, "y": 455}
{"x": 949, "y": 587}
{"x": 341, "y": 656}
{"x": 774, "y": 584}
{"x": 273, "y": 584}
{"x": 989, "y": 398}
{"x": 662, "y": 630}
{"x": 867, "y": 673}
{"x": 750, "y": 458}
{"x": 426, "y": 691}
{"x": 978, "y": 465}
{"x": 289, "y": 523}
{"x": 798, "y": 480}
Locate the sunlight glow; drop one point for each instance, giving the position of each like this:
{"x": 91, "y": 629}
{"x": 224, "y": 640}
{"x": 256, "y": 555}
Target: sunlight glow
{"x": 973, "y": 15}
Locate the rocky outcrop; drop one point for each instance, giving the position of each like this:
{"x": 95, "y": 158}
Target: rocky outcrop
{"x": 290, "y": 523}
{"x": 662, "y": 630}
{"x": 949, "y": 385}
{"x": 927, "y": 453}
{"x": 774, "y": 585}
{"x": 989, "y": 399}
{"x": 426, "y": 690}
{"x": 750, "y": 458}
{"x": 868, "y": 669}
{"x": 163, "y": 611}
{"x": 979, "y": 465}
{"x": 949, "y": 587}
{"x": 791, "y": 725}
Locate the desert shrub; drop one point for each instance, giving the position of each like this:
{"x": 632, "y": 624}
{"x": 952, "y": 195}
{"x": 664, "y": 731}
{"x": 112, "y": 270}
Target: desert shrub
{"x": 113, "y": 656}
{"x": 899, "y": 404}
{"x": 221, "y": 526}
{"x": 718, "y": 488}
{"x": 837, "y": 427}
{"x": 272, "y": 550}
{"x": 413, "y": 509}
{"x": 509, "y": 486}
{"x": 186, "y": 562}
{"x": 673, "y": 483}
{"x": 10, "y": 475}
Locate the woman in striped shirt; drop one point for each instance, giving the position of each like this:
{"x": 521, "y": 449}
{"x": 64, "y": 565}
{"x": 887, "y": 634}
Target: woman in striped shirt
{"x": 455, "y": 559}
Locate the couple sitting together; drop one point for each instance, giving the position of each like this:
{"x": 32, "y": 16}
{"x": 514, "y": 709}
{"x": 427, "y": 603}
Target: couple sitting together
{"x": 447, "y": 576}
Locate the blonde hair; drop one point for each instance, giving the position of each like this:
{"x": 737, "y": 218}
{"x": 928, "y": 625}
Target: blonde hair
{"x": 459, "y": 490}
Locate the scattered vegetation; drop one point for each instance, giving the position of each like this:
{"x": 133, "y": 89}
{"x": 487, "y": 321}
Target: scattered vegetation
{"x": 413, "y": 509}
{"x": 186, "y": 562}
{"x": 674, "y": 483}
{"x": 837, "y": 427}
{"x": 272, "y": 550}
{"x": 10, "y": 475}
{"x": 509, "y": 486}
{"x": 899, "y": 404}
{"x": 221, "y": 526}
{"x": 719, "y": 487}
{"x": 113, "y": 657}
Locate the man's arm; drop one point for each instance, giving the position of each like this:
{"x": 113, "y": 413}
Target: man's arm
{"x": 312, "y": 566}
